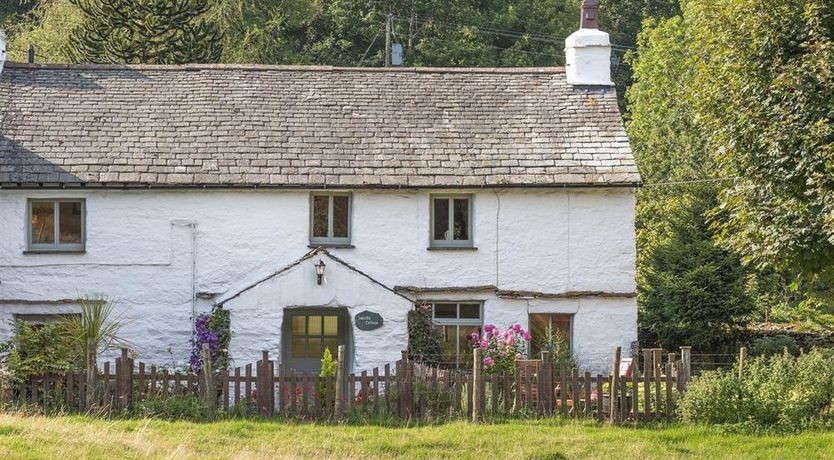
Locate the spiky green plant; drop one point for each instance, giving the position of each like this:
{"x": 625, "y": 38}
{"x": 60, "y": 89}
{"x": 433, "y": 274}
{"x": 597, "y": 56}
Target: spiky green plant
{"x": 95, "y": 331}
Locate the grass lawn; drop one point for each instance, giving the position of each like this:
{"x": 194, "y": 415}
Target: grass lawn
{"x": 75, "y": 437}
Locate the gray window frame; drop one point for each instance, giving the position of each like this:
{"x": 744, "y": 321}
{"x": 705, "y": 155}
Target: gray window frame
{"x": 330, "y": 240}
{"x": 458, "y": 322}
{"x": 451, "y": 242}
{"x": 57, "y": 246}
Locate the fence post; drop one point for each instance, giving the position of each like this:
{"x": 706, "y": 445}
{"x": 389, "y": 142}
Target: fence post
{"x": 686, "y": 363}
{"x": 476, "y": 384}
{"x": 209, "y": 392}
{"x": 340, "y": 382}
{"x": 262, "y": 382}
{"x": 546, "y": 384}
{"x": 615, "y": 378}
{"x": 91, "y": 375}
{"x": 742, "y": 353}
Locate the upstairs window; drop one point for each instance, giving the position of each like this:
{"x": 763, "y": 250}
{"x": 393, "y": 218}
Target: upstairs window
{"x": 451, "y": 221}
{"x": 55, "y": 225}
{"x": 330, "y": 218}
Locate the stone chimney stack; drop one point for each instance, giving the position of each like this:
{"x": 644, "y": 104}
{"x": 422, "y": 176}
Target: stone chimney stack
{"x": 588, "y": 50}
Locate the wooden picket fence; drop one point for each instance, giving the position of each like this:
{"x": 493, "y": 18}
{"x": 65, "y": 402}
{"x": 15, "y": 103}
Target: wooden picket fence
{"x": 408, "y": 389}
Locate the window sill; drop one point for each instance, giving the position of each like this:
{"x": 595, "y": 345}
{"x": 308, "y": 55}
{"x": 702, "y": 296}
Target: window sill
{"x": 55, "y": 251}
{"x": 330, "y": 246}
{"x": 452, "y": 248}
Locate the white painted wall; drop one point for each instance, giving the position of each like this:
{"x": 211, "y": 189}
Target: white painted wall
{"x": 140, "y": 252}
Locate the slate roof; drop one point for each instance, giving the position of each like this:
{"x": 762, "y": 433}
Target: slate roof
{"x": 295, "y": 126}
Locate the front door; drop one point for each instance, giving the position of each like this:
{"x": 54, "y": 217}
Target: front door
{"x": 307, "y": 332}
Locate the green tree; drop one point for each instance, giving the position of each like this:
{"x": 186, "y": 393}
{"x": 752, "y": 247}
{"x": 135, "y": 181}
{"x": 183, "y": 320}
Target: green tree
{"x": 623, "y": 19}
{"x": 690, "y": 291}
{"x": 146, "y": 32}
{"x": 765, "y": 92}
{"x": 48, "y": 27}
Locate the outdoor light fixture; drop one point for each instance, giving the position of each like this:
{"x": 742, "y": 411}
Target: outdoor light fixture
{"x": 320, "y": 271}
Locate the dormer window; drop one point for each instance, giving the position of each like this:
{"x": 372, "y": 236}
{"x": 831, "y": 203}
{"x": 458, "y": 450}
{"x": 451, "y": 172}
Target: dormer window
{"x": 55, "y": 225}
{"x": 330, "y": 219}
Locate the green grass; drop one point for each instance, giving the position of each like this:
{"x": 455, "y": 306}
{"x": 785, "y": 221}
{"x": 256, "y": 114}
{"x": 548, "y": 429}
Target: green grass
{"x": 81, "y": 437}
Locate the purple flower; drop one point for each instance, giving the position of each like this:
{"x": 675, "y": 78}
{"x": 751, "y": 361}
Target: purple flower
{"x": 517, "y": 327}
{"x": 488, "y": 361}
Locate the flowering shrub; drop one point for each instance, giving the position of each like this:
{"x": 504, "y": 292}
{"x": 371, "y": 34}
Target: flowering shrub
{"x": 211, "y": 329}
{"x": 501, "y": 349}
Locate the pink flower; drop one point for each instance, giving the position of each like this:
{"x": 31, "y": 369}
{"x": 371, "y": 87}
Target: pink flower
{"x": 504, "y": 354}
{"x": 474, "y": 336}
{"x": 518, "y": 356}
{"x": 517, "y": 327}
{"x": 484, "y": 344}
{"x": 488, "y": 361}
{"x": 526, "y": 336}
{"x": 510, "y": 339}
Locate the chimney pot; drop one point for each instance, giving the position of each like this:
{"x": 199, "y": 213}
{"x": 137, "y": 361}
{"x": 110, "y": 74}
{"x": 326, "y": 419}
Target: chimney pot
{"x": 588, "y": 51}
{"x": 589, "y": 18}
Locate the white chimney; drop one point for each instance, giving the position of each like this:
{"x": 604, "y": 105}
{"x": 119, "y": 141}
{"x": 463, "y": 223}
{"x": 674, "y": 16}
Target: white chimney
{"x": 2, "y": 49}
{"x": 588, "y": 50}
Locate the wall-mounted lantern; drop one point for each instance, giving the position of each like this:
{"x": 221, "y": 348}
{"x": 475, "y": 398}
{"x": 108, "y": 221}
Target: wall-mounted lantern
{"x": 320, "y": 271}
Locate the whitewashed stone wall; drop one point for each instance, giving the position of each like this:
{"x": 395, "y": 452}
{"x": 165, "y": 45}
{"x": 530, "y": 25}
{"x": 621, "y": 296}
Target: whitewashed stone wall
{"x": 143, "y": 245}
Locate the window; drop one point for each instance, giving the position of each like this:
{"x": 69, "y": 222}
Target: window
{"x": 311, "y": 334}
{"x": 455, "y": 323}
{"x": 451, "y": 221}
{"x": 330, "y": 218}
{"x": 548, "y": 331}
{"x": 55, "y": 225}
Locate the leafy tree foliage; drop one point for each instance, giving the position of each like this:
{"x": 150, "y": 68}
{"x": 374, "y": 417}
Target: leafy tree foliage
{"x": 691, "y": 292}
{"x": 765, "y": 93}
{"x": 47, "y": 26}
{"x": 148, "y": 32}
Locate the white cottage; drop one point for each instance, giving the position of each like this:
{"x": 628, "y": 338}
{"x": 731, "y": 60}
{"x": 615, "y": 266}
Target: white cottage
{"x": 494, "y": 195}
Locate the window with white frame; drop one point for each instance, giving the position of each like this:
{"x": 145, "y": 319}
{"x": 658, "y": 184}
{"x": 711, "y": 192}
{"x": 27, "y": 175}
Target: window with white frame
{"x": 55, "y": 225}
{"x": 455, "y": 322}
{"x": 451, "y": 221}
{"x": 330, "y": 218}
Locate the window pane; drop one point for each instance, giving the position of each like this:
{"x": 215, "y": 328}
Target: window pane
{"x": 470, "y": 311}
{"x": 447, "y": 336}
{"x": 441, "y": 219}
{"x": 314, "y": 325}
{"x": 341, "y": 215}
{"x": 549, "y": 331}
{"x": 461, "y": 219}
{"x": 69, "y": 218}
{"x": 314, "y": 349}
{"x": 299, "y": 345}
{"x": 466, "y": 343}
{"x": 332, "y": 345}
{"x": 445, "y": 310}
{"x": 320, "y": 209}
{"x": 43, "y": 223}
{"x": 299, "y": 325}
{"x": 331, "y": 326}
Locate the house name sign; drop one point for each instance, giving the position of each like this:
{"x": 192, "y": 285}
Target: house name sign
{"x": 368, "y": 320}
